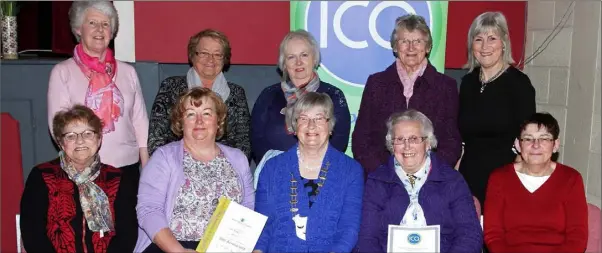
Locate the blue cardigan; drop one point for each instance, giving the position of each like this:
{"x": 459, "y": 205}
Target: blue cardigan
{"x": 444, "y": 198}
{"x": 268, "y": 130}
{"x": 333, "y": 220}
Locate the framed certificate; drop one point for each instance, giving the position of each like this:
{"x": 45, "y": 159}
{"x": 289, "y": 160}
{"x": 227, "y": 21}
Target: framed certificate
{"x": 232, "y": 228}
{"x": 413, "y": 239}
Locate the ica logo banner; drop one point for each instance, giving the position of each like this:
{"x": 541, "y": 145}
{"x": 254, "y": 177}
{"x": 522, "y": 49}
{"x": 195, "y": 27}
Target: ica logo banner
{"x": 354, "y": 38}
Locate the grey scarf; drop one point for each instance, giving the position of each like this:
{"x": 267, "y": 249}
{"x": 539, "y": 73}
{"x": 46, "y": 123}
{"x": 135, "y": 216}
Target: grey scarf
{"x": 220, "y": 85}
{"x": 292, "y": 93}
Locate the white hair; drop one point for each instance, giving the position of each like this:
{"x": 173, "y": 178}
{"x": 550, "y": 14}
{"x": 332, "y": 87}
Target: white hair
{"x": 78, "y": 10}
{"x": 410, "y": 115}
{"x": 297, "y": 34}
{"x": 307, "y": 102}
{"x": 410, "y": 23}
{"x": 489, "y": 21}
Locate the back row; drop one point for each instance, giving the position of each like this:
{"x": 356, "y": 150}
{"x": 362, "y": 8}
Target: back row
{"x": 494, "y": 96}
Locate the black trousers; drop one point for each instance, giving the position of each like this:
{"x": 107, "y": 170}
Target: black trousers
{"x": 132, "y": 173}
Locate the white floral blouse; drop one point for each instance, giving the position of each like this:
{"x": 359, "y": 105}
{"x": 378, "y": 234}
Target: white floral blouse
{"x": 198, "y": 197}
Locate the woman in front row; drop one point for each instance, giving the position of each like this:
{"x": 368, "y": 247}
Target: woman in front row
{"x": 76, "y": 203}
{"x": 312, "y": 193}
{"x": 536, "y": 205}
{"x": 416, "y": 188}
{"x": 182, "y": 182}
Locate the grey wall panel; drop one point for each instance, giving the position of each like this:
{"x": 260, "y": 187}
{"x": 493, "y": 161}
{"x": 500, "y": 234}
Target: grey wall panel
{"x": 148, "y": 73}
{"x": 23, "y": 95}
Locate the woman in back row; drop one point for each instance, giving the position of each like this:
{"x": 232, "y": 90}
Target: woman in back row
{"x": 298, "y": 59}
{"x": 209, "y": 53}
{"x": 495, "y": 97}
{"x": 94, "y": 78}
{"x": 411, "y": 82}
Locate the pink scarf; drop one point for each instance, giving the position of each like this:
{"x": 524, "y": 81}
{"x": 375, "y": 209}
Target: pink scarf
{"x": 102, "y": 96}
{"x": 409, "y": 80}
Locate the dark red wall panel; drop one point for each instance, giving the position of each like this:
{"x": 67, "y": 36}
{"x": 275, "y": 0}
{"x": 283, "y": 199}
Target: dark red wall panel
{"x": 460, "y": 15}
{"x": 254, "y": 29}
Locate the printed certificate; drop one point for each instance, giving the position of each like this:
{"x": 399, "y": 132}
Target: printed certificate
{"x": 413, "y": 239}
{"x": 232, "y": 228}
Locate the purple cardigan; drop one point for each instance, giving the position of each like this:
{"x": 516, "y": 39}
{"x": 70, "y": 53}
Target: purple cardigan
{"x": 435, "y": 95}
{"x": 444, "y": 198}
{"x": 161, "y": 179}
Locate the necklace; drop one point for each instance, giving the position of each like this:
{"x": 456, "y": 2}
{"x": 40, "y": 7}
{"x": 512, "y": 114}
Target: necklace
{"x": 300, "y": 221}
{"x": 485, "y": 82}
{"x": 307, "y": 168}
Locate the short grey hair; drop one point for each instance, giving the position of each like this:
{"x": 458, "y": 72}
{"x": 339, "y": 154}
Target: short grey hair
{"x": 306, "y": 102}
{"x": 489, "y": 21}
{"x": 78, "y": 10}
{"x": 426, "y": 126}
{"x": 410, "y": 23}
{"x": 297, "y": 34}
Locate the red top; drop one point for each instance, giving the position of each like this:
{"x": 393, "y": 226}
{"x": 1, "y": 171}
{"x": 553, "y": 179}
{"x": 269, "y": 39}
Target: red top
{"x": 551, "y": 219}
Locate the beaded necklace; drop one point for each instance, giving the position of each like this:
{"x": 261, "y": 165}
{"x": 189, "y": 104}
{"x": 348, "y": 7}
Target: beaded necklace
{"x": 485, "y": 82}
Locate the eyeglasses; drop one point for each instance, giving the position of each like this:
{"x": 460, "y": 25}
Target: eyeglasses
{"x": 415, "y": 43}
{"x": 317, "y": 120}
{"x": 410, "y": 140}
{"x": 540, "y": 140}
{"x": 86, "y": 135}
{"x": 97, "y": 24}
{"x": 205, "y": 55}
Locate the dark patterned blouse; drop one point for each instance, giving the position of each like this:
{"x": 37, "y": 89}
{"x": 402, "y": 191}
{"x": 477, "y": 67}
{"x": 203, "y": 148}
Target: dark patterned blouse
{"x": 238, "y": 119}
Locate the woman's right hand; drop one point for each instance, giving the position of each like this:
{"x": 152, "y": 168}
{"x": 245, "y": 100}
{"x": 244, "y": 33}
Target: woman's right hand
{"x": 257, "y": 251}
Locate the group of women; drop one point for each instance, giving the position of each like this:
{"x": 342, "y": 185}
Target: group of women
{"x": 413, "y": 128}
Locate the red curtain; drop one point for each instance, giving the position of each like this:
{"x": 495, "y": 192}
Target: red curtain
{"x": 63, "y": 40}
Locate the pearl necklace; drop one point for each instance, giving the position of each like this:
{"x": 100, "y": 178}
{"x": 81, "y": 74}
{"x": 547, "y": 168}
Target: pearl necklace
{"x": 307, "y": 168}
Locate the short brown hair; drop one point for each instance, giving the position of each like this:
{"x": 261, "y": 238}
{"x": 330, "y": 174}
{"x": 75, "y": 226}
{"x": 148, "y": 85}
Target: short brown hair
{"x": 542, "y": 119}
{"x": 196, "y": 96}
{"x": 76, "y": 113}
{"x": 219, "y": 36}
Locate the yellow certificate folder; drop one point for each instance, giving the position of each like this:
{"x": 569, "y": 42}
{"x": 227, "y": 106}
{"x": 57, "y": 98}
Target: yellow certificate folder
{"x": 232, "y": 228}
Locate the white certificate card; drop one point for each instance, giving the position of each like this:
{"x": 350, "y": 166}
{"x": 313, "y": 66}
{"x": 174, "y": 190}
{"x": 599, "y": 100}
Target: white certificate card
{"x": 232, "y": 228}
{"x": 413, "y": 239}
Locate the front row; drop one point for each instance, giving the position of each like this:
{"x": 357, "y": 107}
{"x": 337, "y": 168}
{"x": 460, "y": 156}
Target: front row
{"x": 314, "y": 196}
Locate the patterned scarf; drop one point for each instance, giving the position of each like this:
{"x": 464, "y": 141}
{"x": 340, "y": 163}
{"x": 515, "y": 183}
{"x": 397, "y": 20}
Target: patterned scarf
{"x": 220, "y": 84}
{"x": 414, "y": 215}
{"x": 102, "y": 96}
{"x": 94, "y": 201}
{"x": 292, "y": 93}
